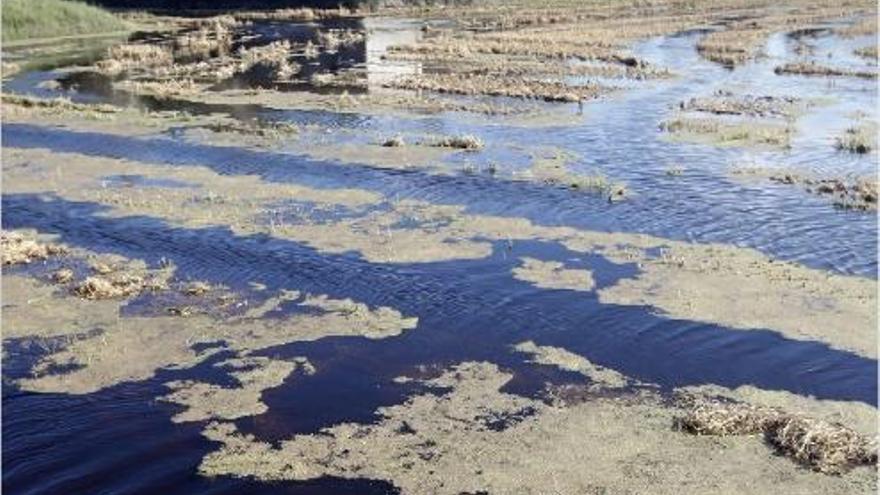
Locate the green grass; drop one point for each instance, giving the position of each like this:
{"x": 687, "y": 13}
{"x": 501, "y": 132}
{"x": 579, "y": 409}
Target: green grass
{"x": 34, "y": 19}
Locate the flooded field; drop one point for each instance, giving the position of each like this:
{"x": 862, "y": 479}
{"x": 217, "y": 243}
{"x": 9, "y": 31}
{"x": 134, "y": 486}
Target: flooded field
{"x": 601, "y": 248}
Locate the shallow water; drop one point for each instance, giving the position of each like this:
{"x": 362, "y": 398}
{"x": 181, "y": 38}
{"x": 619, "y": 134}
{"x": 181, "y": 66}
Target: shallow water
{"x": 120, "y": 440}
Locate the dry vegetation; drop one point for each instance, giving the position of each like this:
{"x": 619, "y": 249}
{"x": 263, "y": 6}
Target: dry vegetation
{"x": 714, "y": 131}
{"x": 512, "y": 50}
{"x": 726, "y": 119}
{"x": 867, "y": 26}
{"x": 858, "y": 139}
{"x": 303, "y": 14}
{"x": 122, "y": 58}
{"x": 740, "y": 42}
{"x": 212, "y": 38}
{"x": 858, "y": 194}
{"x": 524, "y": 50}
{"x": 727, "y": 103}
{"x": 267, "y": 63}
{"x": 825, "y": 447}
{"x": 200, "y": 53}
{"x": 18, "y": 248}
{"x": 57, "y": 106}
{"x": 258, "y": 128}
{"x": 118, "y": 282}
{"x": 868, "y": 52}
{"x": 743, "y": 39}
{"x": 465, "y": 142}
{"x": 492, "y": 85}
{"x": 815, "y": 69}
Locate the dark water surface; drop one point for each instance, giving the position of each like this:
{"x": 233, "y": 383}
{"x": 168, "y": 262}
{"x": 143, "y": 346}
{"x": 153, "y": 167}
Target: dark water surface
{"x": 120, "y": 440}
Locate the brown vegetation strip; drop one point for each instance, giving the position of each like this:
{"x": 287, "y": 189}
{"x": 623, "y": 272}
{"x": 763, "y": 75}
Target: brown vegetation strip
{"x": 814, "y": 69}
{"x": 493, "y": 86}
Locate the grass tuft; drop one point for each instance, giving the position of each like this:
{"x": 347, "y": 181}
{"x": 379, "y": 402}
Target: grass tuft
{"x": 859, "y": 139}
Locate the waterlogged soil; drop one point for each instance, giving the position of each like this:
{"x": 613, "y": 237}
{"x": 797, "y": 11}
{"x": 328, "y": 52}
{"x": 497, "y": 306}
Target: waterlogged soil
{"x": 292, "y": 289}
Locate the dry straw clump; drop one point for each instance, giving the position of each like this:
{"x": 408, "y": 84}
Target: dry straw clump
{"x": 113, "y": 281}
{"x": 167, "y": 88}
{"x": 126, "y": 57}
{"x": 726, "y": 419}
{"x": 62, "y": 276}
{"x": 18, "y": 249}
{"x": 116, "y": 285}
{"x": 213, "y": 38}
{"x": 268, "y": 63}
{"x": 465, "y": 142}
{"x": 334, "y": 39}
{"x": 825, "y": 447}
{"x": 97, "y": 287}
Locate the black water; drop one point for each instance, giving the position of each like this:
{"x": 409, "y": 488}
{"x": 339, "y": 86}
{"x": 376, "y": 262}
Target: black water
{"x": 120, "y": 440}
